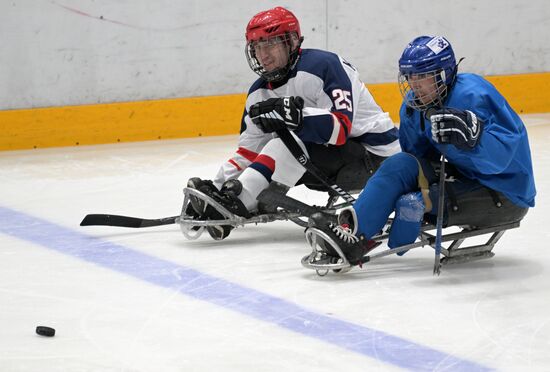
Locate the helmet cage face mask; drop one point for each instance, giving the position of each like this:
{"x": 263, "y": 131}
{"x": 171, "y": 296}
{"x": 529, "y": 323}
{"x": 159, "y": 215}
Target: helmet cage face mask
{"x": 277, "y": 44}
{"x": 424, "y": 90}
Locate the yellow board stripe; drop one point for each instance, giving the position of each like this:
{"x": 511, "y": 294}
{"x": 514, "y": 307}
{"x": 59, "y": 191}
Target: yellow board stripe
{"x": 198, "y": 116}
{"x": 526, "y": 93}
{"x": 121, "y": 122}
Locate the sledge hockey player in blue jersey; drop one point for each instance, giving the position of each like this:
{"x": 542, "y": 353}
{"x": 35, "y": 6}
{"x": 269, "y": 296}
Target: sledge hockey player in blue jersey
{"x": 489, "y": 177}
{"x": 314, "y": 94}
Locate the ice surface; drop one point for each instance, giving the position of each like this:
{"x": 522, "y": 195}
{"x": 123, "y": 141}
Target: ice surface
{"x": 149, "y": 300}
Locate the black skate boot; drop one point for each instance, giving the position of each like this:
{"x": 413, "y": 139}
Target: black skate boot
{"x": 226, "y": 197}
{"x": 343, "y": 235}
{"x": 200, "y": 206}
{"x": 190, "y": 212}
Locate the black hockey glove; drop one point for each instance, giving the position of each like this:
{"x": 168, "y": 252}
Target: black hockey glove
{"x": 278, "y": 113}
{"x": 456, "y": 127}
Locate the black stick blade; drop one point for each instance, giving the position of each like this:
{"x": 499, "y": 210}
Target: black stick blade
{"x": 124, "y": 221}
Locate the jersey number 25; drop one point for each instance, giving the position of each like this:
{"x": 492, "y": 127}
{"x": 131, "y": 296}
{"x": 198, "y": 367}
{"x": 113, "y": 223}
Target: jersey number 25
{"x": 342, "y": 100}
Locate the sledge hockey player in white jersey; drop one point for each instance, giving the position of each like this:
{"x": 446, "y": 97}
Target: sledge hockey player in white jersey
{"x": 488, "y": 177}
{"x": 314, "y": 94}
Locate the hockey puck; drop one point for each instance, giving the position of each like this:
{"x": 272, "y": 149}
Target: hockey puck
{"x": 45, "y": 331}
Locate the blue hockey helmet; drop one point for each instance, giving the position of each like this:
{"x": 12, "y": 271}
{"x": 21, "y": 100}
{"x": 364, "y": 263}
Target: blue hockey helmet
{"x": 427, "y": 59}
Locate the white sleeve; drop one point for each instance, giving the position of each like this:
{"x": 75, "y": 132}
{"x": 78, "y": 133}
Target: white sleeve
{"x": 375, "y": 127}
{"x": 251, "y": 142}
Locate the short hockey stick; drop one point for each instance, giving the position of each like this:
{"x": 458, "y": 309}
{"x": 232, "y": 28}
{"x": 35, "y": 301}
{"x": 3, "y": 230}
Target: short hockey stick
{"x": 440, "y": 201}
{"x": 440, "y": 212}
{"x": 303, "y": 159}
{"x": 125, "y": 221}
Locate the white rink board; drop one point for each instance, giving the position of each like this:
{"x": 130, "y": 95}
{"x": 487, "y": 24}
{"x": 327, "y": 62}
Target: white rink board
{"x": 73, "y": 52}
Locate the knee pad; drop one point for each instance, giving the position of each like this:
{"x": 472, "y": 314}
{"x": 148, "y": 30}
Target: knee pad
{"x": 410, "y": 207}
{"x": 409, "y": 213}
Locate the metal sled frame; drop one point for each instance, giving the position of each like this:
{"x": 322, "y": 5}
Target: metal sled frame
{"x": 453, "y": 254}
{"x": 331, "y": 206}
{"x": 193, "y": 228}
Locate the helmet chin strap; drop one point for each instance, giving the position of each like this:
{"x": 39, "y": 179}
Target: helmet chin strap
{"x": 430, "y": 111}
{"x": 455, "y": 72}
{"x": 293, "y": 57}
{"x": 436, "y": 104}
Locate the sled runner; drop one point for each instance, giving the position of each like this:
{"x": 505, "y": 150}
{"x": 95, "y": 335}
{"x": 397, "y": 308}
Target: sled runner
{"x": 454, "y": 253}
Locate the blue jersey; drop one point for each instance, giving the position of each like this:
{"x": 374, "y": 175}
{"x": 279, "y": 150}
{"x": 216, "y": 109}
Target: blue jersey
{"x": 501, "y": 160}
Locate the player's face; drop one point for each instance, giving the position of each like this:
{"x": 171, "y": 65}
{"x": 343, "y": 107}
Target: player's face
{"x": 424, "y": 87}
{"x": 272, "y": 54}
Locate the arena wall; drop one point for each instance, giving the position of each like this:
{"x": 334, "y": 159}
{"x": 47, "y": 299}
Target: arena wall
{"x": 79, "y": 72}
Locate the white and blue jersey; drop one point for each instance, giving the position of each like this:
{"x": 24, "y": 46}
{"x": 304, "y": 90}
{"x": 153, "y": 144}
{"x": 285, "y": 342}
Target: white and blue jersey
{"x": 337, "y": 106}
{"x": 501, "y": 160}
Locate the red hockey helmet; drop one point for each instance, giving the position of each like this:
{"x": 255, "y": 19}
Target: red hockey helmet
{"x": 272, "y": 22}
{"x": 277, "y": 25}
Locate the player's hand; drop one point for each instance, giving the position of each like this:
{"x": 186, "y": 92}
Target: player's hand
{"x": 461, "y": 128}
{"x": 278, "y": 113}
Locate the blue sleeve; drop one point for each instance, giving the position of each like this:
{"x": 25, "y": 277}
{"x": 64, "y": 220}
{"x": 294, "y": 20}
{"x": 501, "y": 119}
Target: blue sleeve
{"x": 317, "y": 129}
{"x": 412, "y": 137}
{"x": 501, "y": 135}
{"x": 503, "y": 130}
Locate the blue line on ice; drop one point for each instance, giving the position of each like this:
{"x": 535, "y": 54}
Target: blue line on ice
{"x": 189, "y": 282}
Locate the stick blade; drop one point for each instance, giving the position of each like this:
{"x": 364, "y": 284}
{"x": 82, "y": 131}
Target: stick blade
{"x": 125, "y": 221}
{"x": 111, "y": 220}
